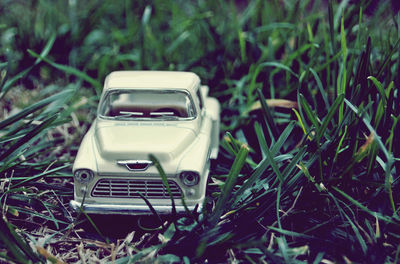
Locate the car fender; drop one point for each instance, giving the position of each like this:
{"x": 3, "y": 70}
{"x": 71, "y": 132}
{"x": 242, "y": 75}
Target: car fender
{"x": 85, "y": 158}
{"x": 213, "y": 109}
{"x": 196, "y": 158}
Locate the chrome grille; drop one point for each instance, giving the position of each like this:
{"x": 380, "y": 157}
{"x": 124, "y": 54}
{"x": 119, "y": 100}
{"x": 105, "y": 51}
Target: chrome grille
{"x": 135, "y": 165}
{"x": 120, "y": 188}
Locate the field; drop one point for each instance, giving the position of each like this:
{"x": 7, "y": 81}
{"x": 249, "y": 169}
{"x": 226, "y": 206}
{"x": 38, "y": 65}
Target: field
{"x": 309, "y": 163}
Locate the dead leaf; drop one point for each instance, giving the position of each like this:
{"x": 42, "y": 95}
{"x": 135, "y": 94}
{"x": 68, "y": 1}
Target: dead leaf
{"x": 367, "y": 143}
{"x": 276, "y": 103}
{"x": 49, "y": 256}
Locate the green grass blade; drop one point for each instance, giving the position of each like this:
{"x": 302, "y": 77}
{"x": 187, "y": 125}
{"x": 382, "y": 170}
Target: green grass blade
{"x": 328, "y": 118}
{"x": 289, "y": 233}
{"x": 307, "y": 109}
{"x": 261, "y": 138}
{"x": 164, "y": 179}
{"x": 278, "y": 200}
{"x": 20, "y": 243}
{"x": 294, "y": 161}
{"x": 9, "y": 83}
{"x": 229, "y": 184}
{"x": 275, "y": 167}
{"x": 282, "y": 138}
{"x": 269, "y": 121}
{"x": 357, "y": 232}
{"x": 35, "y": 214}
{"x": 372, "y": 130}
{"x": 364, "y": 208}
{"x": 35, "y": 107}
{"x": 321, "y": 89}
{"x": 178, "y": 41}
{"x": 279, "y": 66}
{"x": 303, "y": 125}
{"x": 388, "y": 58}
{"x": 332, "y": 30}
{"x": 39, "y": 176}
{"x": 343, "y": 81}
{"x": 33, "y": 133}
{"x": 379, "y": 87}
{"x": 153, "y": 211}
{"x": 92, "y": 223}
{"x": 70, "y": 70}
{"x": 10, "y": 244}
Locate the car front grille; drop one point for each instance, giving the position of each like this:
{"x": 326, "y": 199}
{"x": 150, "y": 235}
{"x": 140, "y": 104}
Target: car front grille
{"x": 120, "y": 188}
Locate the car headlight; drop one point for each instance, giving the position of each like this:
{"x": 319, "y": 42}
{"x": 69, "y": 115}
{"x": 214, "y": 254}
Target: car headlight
{"x": 190, "y": 178}
{"x": 84, "y": 175}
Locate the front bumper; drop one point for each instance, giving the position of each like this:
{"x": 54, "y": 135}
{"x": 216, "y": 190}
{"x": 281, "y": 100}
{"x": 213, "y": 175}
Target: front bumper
{"x": 127, "y": 208}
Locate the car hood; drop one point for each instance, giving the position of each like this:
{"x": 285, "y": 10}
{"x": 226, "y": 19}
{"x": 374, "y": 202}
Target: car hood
{"x": 137, "y": 142}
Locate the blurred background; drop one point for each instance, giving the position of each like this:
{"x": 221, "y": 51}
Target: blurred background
{"x": 222, "y": 41}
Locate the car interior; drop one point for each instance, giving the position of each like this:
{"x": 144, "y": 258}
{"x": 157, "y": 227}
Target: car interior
{"x": 147, "y": 104}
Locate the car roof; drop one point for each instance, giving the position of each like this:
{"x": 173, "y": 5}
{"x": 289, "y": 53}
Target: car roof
{"x": 152, "y": 79}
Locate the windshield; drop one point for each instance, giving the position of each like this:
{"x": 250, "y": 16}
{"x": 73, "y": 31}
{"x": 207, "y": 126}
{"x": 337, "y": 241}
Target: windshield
{"x": 147, "y": 104}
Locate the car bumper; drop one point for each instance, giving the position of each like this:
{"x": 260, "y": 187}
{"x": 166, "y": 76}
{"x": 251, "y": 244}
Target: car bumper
{"x": 127, "y": 208}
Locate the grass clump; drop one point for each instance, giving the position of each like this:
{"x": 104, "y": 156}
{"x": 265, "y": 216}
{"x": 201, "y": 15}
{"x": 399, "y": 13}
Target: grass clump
{"x": 309, "y": 174}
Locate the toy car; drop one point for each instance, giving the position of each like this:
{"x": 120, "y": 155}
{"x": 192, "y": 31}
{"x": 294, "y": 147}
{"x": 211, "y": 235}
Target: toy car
{"x": 164, "y": 113}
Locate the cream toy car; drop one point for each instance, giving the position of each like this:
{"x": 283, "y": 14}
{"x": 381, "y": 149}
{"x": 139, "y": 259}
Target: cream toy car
{"x": 167, "y": 114}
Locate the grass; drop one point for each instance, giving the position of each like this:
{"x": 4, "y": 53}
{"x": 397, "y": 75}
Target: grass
{"x": 314, "y": 178}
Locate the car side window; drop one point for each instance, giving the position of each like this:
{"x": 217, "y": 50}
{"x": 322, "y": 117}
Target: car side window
{"x": 200, "y": 99}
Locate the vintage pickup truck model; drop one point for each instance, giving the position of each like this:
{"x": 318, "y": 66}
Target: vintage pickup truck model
{"x": 163, "y": 113}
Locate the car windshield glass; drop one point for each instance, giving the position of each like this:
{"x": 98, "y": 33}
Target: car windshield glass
{"x": 147, "y": 104}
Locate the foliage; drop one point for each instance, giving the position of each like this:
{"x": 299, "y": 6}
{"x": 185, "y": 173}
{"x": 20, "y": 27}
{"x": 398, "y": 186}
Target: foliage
{"x": 312, "y": 179}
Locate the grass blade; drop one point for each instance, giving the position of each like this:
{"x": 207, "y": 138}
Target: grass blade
{"x": 153, "y": 211}
{"x": 362, "y": 207}
{"x": 164, "y": 179}
{"x": 269, "y": 121}
{"x": 329, "y": 116}
{"x": 33, "y": 133}
{"x": 307, "y": 108}
{"x": 9, "y": 83}
{"x": 33, "y": 108}
{"x": 229, "y": 184}
{"x": 70, "y": 70}
{"x": 321, "y": 89}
